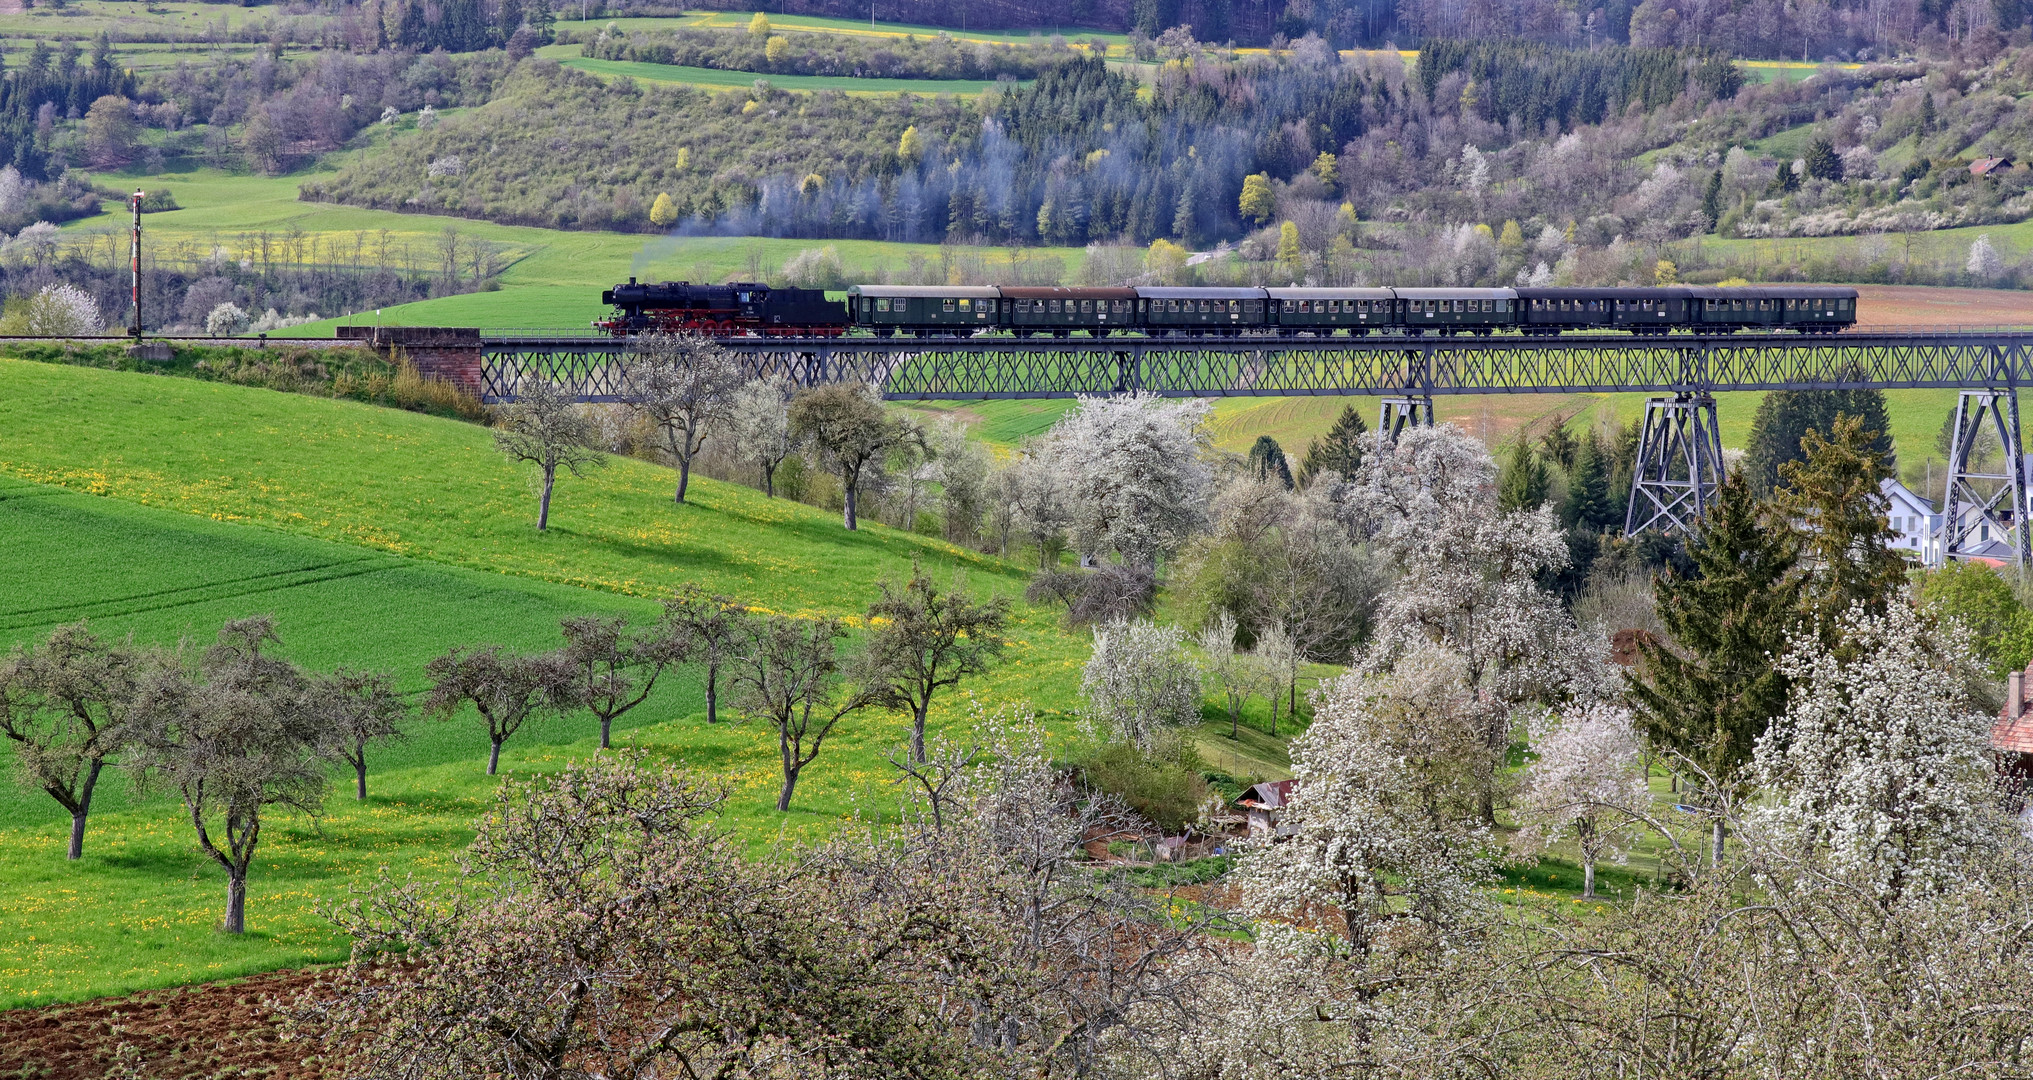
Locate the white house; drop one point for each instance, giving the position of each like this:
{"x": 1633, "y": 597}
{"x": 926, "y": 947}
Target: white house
{"x": 1915, "y": 524}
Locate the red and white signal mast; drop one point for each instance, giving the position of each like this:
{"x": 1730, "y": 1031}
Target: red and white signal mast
{"x": 135, "y": 265}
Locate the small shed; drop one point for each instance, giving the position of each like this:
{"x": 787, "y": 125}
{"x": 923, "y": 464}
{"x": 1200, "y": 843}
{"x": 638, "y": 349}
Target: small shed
{"x": 2012, "y": 735}
{"x": 1264, "y": 802}
{"x": 1987, "y": 166}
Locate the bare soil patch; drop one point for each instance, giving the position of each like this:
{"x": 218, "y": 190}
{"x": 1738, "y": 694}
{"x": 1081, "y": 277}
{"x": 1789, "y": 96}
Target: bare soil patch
{"x": 214, "y": 1029}
{"x": 1921, "y": 305}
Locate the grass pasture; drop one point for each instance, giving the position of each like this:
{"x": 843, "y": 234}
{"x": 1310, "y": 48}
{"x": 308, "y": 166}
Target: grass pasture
{"x": 163, "y": 506}
{"x": 720, "y": 79}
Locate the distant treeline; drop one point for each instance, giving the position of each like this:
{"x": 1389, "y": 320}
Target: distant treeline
{"x": 938, "y": 57}
{"x": 49, "y": 86}
{"x": 1534, "y": 83}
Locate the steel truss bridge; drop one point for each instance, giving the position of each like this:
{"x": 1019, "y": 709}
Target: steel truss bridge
{"x": 1679, "y": 463}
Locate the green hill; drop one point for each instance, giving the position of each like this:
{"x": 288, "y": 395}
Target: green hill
{"x": 162, "y": 506}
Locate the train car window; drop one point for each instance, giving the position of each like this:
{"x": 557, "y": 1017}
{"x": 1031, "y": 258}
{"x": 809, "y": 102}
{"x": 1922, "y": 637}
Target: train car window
{"x": 867, "y": 305}
{"x": 1764, "y": 305}
{"x": 949, "y": 305}
{"x": 1087, "y": 307}
{"x": 966, "y": 305}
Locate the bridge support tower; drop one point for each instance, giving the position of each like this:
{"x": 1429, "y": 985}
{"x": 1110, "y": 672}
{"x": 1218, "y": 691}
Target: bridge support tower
{"x": 1398, "y": 413}
{"x": 1679, "y": 467}
{"x": 1984, "y": 508}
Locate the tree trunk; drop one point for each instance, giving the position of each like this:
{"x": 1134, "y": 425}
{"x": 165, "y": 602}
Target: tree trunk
{"x": 543, "y": 506}
{"x": 769, "y": 481}
{"x": 236, "y": 902}
{"x": 606, "y": 722}
{"x": 1588, "y": 879}
{"x": 918, "y": 732}
{"x": 1715, "y": 859}
{"x": 684, "y": 478}
{"x": 783, "y": 799}
{"x": 712, "y": 693}
{"x": 1234, "y": 722}
{"x": 494, "y": 757}
{"x": 84, "y": 810}
{"x": 360, "y": 773}
{"x": 847, "y": 510}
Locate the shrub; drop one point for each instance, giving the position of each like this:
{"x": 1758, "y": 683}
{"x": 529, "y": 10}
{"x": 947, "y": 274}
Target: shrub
{"x": 1163, "y": 785}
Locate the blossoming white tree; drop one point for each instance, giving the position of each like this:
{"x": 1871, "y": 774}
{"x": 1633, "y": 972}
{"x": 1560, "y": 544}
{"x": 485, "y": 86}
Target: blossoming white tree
{"x": 1588, "y": 783}
{"x": 1384, "y": 806}
{"x": 63, "y": 310}
{"x": 1467, "y": 583}
{"x": 1233, "y": 674}
{"x": 1139, "y": 682}
{"x": 1881, "y": 762}
{"x": 1134, "y": 476}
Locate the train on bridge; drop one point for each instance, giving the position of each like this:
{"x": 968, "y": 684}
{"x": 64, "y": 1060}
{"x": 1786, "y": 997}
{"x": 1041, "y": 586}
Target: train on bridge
{"x": 752, "y": 309}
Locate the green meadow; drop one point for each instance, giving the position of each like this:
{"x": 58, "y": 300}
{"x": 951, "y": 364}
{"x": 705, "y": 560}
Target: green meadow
{"x": 720, "y": 79}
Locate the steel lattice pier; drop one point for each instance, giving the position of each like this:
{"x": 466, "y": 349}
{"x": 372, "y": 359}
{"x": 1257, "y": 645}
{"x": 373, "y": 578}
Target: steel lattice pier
{"x": 1003, "y": 367}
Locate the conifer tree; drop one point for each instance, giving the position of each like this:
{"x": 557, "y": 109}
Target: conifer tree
{"x": 1588, "y": 506}
{"x": 1709, "y": 694}
{"x": 1267, "y": 461}
{"x": 1338, "y": 452}
{"x": 1524, "y": 482}
{"x": 1785, "y": 416}
{"x": 1711, "y": 199}
{"x": 1822, "y": 161}
{"x": 1834, "y": 499}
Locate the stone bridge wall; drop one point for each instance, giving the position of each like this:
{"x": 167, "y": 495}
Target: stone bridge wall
{"x": 451, "y": 353}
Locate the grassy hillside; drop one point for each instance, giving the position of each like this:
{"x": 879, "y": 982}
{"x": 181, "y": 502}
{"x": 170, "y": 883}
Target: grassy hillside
{"x": 379, "y": 538}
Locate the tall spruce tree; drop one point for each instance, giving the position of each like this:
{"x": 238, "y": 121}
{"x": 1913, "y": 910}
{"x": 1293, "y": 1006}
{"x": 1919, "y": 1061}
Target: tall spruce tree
{"x": 1339, "y": 451}
{"x": 1588, "y": 506}
{"x": 1267, "y": 461}
{"x": 1833, "y": 498}
{"x": 1709, "y": 693}
{"x": 1786, "y": 416}
{"x": 1524, "y": 482}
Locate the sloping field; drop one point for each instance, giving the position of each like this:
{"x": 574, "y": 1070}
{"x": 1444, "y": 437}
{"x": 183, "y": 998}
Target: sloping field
{"x": 162, "y": 506}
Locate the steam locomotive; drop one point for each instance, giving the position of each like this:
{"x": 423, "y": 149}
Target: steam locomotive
{"x": 750, "y": 309}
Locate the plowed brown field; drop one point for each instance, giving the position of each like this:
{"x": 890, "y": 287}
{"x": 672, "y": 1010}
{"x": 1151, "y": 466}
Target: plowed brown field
{"x": 1920, "y": 305}
{"x": 216, "y": 1029}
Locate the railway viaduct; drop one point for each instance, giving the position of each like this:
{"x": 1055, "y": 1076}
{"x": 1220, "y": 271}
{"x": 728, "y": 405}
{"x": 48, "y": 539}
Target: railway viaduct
{"x": 1679, "y": 454}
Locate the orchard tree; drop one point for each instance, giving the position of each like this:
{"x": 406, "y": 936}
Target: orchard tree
{"x": 1382, "y": 823}
{"x": 1139, "y": 682}
{"x": 788, "y": 672}
{"x": 1587, "y": 782}
{"x": 613, "y": 669}
{"x": 355, "y": 709}
{"x": 1135, "y": 475}
{"x": 922, "y": 640}
{"x": 708, "y": 629}
{"x": 232, "y": 739}
{"x": 546, "y": 429}
{"x": 1882, "y": 760}
{"x": 507, "y": 689}
{"x": 1277, "y": 654}
{"x": 848, "y": 425}
{"x": 67, "y": 707}
{"x": 683, "y": 384}
{"x": 1037, "y": 498}
{"x": 759, "y": 425}
{"x": 1233, "y": 674}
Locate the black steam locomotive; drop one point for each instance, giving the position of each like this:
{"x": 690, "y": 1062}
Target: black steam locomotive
{"x": 749, "y": 309}
{"x": 736, "y": 309}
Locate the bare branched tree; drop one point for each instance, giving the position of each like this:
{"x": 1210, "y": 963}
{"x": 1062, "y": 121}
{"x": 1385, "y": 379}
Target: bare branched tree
{"x": 683, "y": 384}
{"x": 788, "y": 671}
{"x": 507, "y": 689}
{"x": 615, "y": 670}
{"x": 353, "y": 709}
{"x": 708, "y": 628}
{"x": 232, "y": 739}
{"x": 923, "y": 640}
{"x": 66, "y": 706}
{"x": 545, "y": 428}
